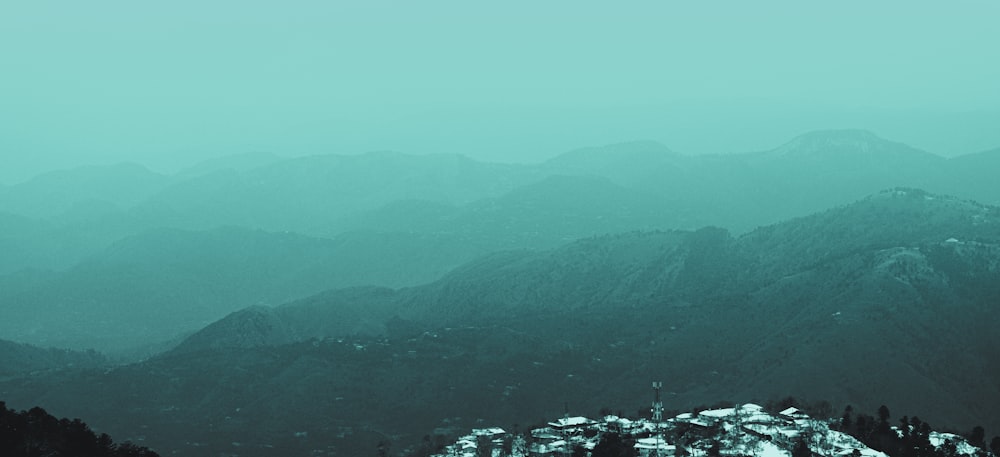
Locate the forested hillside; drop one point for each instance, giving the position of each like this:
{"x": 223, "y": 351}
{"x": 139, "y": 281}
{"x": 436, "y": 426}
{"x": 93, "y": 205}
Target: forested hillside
{"x": 836, "y": 306}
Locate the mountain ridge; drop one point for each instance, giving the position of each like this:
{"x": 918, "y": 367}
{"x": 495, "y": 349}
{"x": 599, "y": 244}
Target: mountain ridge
{"x": 789, "y": 326}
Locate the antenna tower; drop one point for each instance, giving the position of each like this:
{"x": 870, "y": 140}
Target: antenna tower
{"x": 657, "y": 414}
{"x": 657, "y": 404}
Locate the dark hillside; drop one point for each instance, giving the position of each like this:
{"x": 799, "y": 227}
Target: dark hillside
{"x": 395, "y": 220}
{"x": 833, "y": 306}
{"x": 20, "y": 359}
{"x": 35, "y": 432}
{"x": 156, "y": 285}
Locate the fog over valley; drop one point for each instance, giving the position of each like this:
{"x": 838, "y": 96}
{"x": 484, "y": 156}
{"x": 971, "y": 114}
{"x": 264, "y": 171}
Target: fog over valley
{"x": 454, "y": 229}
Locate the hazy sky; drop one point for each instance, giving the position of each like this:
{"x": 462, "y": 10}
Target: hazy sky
{"x": 168, "y": 83}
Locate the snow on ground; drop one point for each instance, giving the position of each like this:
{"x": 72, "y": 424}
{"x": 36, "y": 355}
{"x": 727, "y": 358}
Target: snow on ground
{"x": 962, "y": 447}
{"x": 718, "y": 413}
{"x": 769, "y": 449}
{"x": 745, "y": 430}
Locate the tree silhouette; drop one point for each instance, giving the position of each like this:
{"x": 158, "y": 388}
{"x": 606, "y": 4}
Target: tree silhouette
{"x": 507, "y": 445}
{"x": 37, "y": 433}
{"x": 484, "y": 446}
{"x": 925, "y": 430}
{"x": 612, "y": 445}
{"x": 801, "y": 449}
{"x": 977, "y": 436}
{"x": 883, "y": 413}
{"x": 715, "y": 450}
{"x": 845, "y": 420}
{"x": 862, "y": 425}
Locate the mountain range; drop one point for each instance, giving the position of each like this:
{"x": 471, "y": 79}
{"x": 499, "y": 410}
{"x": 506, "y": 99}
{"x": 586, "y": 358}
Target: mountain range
{"x": 390, "y": 220}
{"x": 887, "y": 300}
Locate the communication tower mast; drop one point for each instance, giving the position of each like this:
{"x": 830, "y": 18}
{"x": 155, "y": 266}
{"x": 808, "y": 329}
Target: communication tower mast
{"x": 657, "y": 404}
{"x": 657, "y": 414}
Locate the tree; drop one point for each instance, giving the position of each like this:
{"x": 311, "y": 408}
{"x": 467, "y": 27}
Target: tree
{"x": 916, "y": 423}
{"x": 845, "y": 422}
{"x": 883, "y": 413}
{"x": 507, "y": 445}
{"x": 611, "y": 445}
{"x": 801, "y": 449}
{"x": 995, "y": 445}
{"x": 977, "y": 436}
{"x": 862, "y": 425}
{"x": 925, "y": 430}
{"x": 36, "y": 433}
{"x": 484, "y": 446}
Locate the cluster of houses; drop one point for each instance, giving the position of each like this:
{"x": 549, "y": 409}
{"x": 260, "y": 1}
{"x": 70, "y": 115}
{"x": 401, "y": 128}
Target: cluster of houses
{"x": 742, "y": 430}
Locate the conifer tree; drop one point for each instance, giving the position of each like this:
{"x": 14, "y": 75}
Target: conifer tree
{"x": 883, "y": 416}
{"x": 977, "y": 436}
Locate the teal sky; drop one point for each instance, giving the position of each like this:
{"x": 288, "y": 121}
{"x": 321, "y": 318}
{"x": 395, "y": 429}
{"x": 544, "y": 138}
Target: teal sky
{"x": 167, "y": 84}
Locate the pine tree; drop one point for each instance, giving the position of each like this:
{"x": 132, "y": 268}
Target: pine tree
{"x": 883, "y": 413}
{"x": 883, "y": 419}
{"x": 484, "y": 446}
{"x": 801, "y": 449}
{"x": 845, "y": 422}
{"x": 977, "y": 436}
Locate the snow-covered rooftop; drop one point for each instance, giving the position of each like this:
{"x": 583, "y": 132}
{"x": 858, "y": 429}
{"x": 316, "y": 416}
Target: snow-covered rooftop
{"x": 653, "y": 443}
{"x": 790, "y": 411}
{"x": 745, "y": 430}
{"x": 577, "y": 421}
{"x": 718, "y": 413}
{"x": 492, "y": 431}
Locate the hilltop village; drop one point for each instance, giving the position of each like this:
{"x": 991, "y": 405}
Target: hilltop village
{"x": 743, "y": 430}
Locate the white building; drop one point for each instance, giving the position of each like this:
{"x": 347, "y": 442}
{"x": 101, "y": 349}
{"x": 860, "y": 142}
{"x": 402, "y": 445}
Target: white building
{"x": 653, "y": 447}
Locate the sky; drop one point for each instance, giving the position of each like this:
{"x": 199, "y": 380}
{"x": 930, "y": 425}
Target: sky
{"x": 168, "y": 84}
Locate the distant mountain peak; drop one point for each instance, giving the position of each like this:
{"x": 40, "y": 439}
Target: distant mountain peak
{"x": 840, "y": 142}
{"x": 254, "y": 326}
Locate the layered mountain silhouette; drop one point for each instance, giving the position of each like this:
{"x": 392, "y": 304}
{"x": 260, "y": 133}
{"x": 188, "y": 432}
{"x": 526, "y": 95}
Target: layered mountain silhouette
{"x": 329, "y": 194}
{"x": 17, "y": 359}
{"x": 152, "y": 287}
{"x": 888, "y": 300}
{"x": 396, "y": 220}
